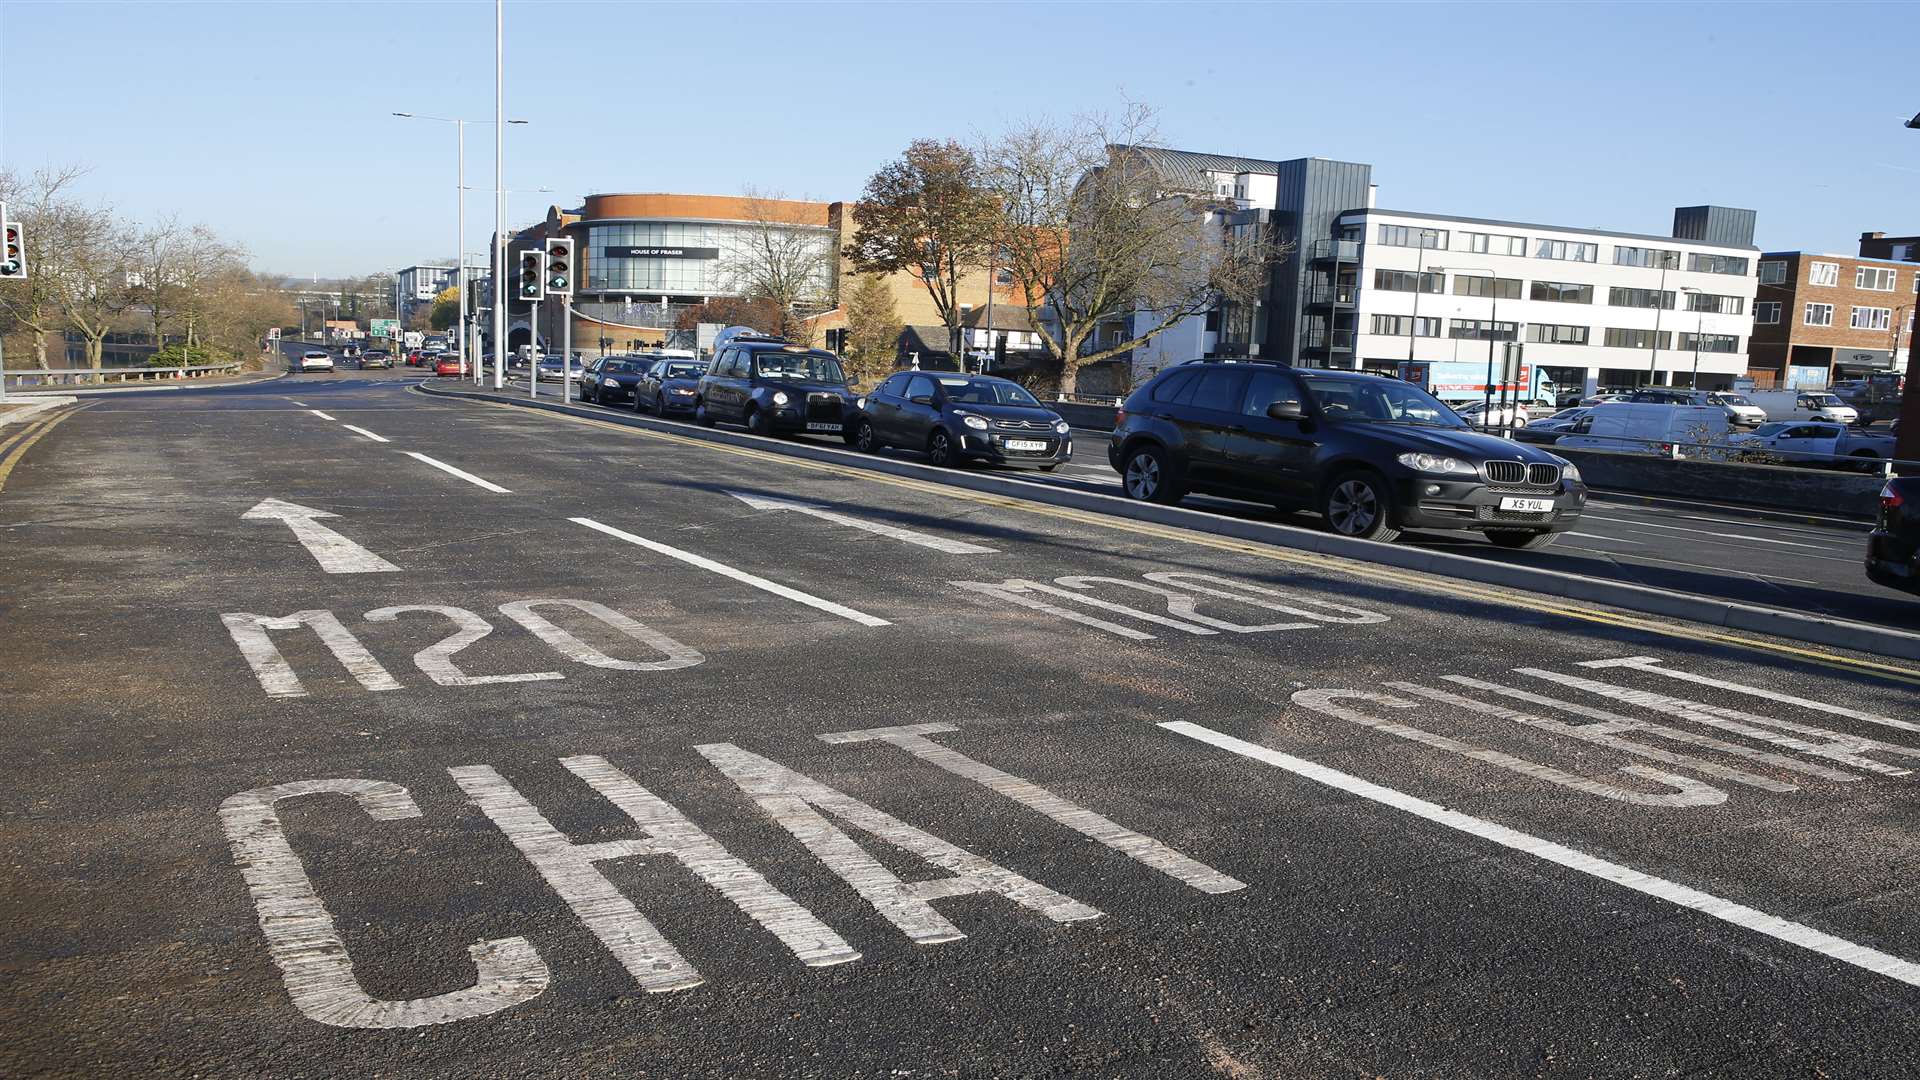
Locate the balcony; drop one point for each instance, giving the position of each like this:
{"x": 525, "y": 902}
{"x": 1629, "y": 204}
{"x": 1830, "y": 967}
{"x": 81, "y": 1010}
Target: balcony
{"x": 1343, "y": 295}
{"x": 1346, "y": 251}
{"x": 1332, "y": 340}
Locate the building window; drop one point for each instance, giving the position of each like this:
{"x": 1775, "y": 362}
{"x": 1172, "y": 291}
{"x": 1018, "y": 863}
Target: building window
{"x": 1500, "y": 288}
{"x": 1711, "y": 302}
{"x": 1871, "y": 318}
{"x": 1483, "y": 330}
{"x": 1823, "y": 273}
{"x": 1773, "y": 273}
{"x": 1819, "y": 315}
{"x": 1554, "y": 334}
{"x": 1399, "y": 325}
{"x": 1493, "y": 244}
{"x": 1405, "y": 281}
{"x": 1874, "y": 278}
{"x": 1710, "y": 343}
{"x": 1660, "y": 298}
{"x": 1717, "y": 264}
{"x": 1567, "y": 251}
{"x": 1564, "y": 292}
{"x": 1412, "y": 236}
{"x": 1636, "y": 339}
{"x": 1658, "y": 258}
{"x": 1767, "y": 312}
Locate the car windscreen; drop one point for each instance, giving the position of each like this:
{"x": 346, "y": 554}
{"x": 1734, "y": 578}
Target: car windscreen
{"x": 1823, "y": 399}
{"x": 1381, "y": 401}
{"x": 1770, "y": 429}
{"x": 986, "y": 392}
{"x": 1729, "y": 399}
{"x": 683, "y": 371}
{"x": 799, "y": 366}
{"x": 615, "y": 367}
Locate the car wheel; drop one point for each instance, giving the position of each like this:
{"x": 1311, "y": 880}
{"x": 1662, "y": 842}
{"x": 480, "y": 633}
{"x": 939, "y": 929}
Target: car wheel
{"x": 1521, "y": 541}
{"x": 758, "y": 422}
{"x": 1356, "y": 504}
{"x": 940, "y": 449}
{"x": 1148, "y": 477}
{"x": 865, "y": 439}
{"x": 639, "y": 405}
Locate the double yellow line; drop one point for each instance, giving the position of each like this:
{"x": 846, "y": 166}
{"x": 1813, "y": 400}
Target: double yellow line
{"x": 11, "y": 450}
{"x": 1366, "y": 571}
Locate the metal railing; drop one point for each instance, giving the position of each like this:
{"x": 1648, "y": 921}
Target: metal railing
{"x": 79, "y": 376}
{"x": 1328, "y": 339}
{"x": 1334, "y": 294}
{"x": 1342, "y": 250}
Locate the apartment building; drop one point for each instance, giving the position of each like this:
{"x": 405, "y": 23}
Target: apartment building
{"x": 1822, "y": 318}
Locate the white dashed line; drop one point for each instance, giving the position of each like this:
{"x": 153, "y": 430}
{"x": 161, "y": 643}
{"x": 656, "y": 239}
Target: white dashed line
{"x": 461, "y": 473}
{"x": 321, "y": 415}
{"x": 368, "y": 434}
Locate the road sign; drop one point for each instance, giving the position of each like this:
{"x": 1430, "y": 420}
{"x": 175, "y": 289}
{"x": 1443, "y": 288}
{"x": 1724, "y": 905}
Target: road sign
{"x": 386, "y": 328}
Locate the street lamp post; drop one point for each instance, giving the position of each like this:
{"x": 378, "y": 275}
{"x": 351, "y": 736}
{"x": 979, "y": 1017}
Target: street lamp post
{"x": 1699, "y": 321}
{"x": 1658, "y": 307}
{"x": 1493, "y": 323}
{"x": 1419, "y": 282}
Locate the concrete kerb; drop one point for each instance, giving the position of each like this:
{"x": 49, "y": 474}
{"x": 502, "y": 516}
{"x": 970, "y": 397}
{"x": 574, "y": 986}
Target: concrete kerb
{"x": 27, "y": 410}
{"x": 1689, "y": 607}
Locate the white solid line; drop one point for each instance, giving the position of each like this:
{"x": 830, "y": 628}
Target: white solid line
{"x": 1740, "y": 915}
{"x": 462, "y": 474}
{"x": 724, "y": 570}
{"x": 320, "y": 414}
{"x": 302, "y": 404}
{"x": 1765, "y": 579}
{"x": 368, "y": 434}
{"x": 1609, "y": 539}
{"x": 1706, "y": 532}
{"x": 894, "y": 532}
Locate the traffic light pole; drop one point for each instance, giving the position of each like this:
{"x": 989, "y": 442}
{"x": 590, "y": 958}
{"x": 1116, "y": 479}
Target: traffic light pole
{"x": 566, "y": 348}
{"x": 533, "y": 357}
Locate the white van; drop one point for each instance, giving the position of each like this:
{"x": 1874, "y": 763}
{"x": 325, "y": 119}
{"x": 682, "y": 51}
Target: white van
{"x": 1805, "y": 405}
{"x": 1638, "y": 427}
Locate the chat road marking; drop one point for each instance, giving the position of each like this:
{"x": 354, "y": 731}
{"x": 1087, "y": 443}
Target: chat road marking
{"x": 1793, "y": 933}
{"x": 335, "y": 553}
{"x": 742, "y": 576}
{"x": 368, "y": 434}
{"x": 1182, "y": 592}
{"x": 926, "y": 540}
{"x": 461, "y": 473}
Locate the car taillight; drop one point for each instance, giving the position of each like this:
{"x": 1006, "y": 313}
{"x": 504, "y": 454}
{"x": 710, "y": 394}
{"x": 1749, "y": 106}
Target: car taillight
{"x": 1119, "y": 417}
{"x": 1890, "y": 499}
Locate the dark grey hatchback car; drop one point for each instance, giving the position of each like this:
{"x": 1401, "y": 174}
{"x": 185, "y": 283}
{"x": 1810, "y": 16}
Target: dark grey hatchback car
{"x": 956, "y": 418}
{"x": 1373, "y": 455}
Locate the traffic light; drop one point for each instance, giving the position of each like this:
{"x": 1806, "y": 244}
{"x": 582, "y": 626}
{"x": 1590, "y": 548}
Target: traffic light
{"x": 532, "y": 276}
{"x": 13, "y": 259}
{"x": 560, "y": 266}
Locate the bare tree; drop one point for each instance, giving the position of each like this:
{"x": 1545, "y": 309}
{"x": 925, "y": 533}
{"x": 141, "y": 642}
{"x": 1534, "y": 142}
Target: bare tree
{"x": 45, "y": 212}
{"x": 1094, "y": 234}
{"x": 174, "y": 266}
{"x": 100, "y": 282}
{"x": 780, "y": 257}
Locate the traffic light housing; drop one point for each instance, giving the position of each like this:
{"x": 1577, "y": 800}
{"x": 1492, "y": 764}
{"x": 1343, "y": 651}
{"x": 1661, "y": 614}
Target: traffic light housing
{"x": 532, "y": 277}
{"x": 559, "y": 277}
{"x": 13, "y": 256}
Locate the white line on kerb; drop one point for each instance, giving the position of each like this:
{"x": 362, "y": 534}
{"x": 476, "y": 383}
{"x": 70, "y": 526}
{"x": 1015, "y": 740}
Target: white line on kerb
{"x": 724, "y": 570}
{"x": 321, "y": 415}
{"x": 368, "y": 434}
{"x": 461, "y": 473}
{"x": 1773, "y": 926}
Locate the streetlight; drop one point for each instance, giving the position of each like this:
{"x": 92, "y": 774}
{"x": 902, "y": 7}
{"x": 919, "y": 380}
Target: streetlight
{"x": 460, "y": 245}
{"x": 1419, "y": 282}
{"x": 1699, "y": 319}
{"x": 1658, "y": 307}
{"x": 1907, "y": 441}
{"x": 1493, "y": 333}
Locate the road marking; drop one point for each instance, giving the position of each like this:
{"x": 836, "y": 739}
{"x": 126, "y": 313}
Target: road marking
{"x": 1012, "y": 596}
{"x": 305, "y": 945}
{"x": 633, "y": 939}
{"x": 678, "y": 655}
{"x": 1609, "y": 539}
{"x": 302, "y": 404}
{"x": 795, "y": 802}
{"x": 1707, "y": 532}
{"x": 368, "y": 434}
{"x": 1637, "y": 557}
{"x": 33, "y": 434}
{"x": 436, "y": 660}
{"x": 462, "y": 474}
{"x": 276, "y": 676}
{"x": 742, "y": 576}
{"x": 1652, "y": 664}
{"x": 1143, "y": 849}
{"x": 1740, "y": 915}
{"x": 321, "y": 415}
{"x": 927, "y": 540}
{"x": 335, "y": 553}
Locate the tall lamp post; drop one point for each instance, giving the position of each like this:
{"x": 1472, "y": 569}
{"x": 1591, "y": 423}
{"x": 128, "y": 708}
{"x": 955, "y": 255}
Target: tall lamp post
{"x": 1493, "y": 333}
{"x": 1699, "y": 320}
{"x": 1419, "y": 281}
{"x": 1653, "y": 362}
{"x": 1906, "y": 445}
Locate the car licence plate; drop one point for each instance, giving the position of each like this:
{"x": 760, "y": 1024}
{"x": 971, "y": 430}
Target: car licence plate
{"x": 823, "y": 427}
{"x": 1527, "y": 506}
{"x": 1025, "y": 444}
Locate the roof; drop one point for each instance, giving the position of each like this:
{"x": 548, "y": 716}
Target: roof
{"x": 1902, "y": 263}
{"x": 1005, "y": 317}
{"x": 925, "y": 338}
{"x": 1189, "y": 168}
{"x": 1553, "y": 228}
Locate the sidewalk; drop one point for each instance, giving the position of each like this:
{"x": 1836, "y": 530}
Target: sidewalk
{"x": 15, "y": 411}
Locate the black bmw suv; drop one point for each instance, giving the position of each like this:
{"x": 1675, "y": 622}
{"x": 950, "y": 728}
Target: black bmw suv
{"x": 1373, "y": 455}
{"x": 772, "y": 385}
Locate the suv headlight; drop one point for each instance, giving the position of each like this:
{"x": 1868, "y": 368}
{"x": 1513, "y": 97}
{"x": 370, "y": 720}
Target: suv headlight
{"x": 977, "y": 423}
{"x": 1062, "y": 427}
{"x": 1436, "y": 464}
{"x": 779, "y": 397}
{"x": 1571, "y": 472}
{"x": 859, "y": 403}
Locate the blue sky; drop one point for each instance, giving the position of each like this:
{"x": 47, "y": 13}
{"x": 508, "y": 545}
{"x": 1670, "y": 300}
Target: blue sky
{"x": 270, "y": 121}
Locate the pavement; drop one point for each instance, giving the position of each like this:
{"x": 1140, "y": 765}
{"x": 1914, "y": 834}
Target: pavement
{"x": 354, "y": 732}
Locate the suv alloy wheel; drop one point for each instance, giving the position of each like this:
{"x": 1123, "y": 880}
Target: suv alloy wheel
{"x": 1357, "y": 504}
{"x": 1147, "y": 476}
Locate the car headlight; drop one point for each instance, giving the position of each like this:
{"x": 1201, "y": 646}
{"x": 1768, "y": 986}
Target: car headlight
{"x": 1571, "y": 472}
{"x": 859, "y": 403}
{"x": 975, "y": 422}
{"x": 1062, "y": 427}
{"x": 682, "y": 391}
{"x": 1435, "y": 463}
{"x": 779, "y": 397}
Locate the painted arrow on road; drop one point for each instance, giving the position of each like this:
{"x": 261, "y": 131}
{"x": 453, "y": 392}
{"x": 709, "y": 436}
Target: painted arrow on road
{"x": 335, "y": 553}
{"x": 937, "y": 543}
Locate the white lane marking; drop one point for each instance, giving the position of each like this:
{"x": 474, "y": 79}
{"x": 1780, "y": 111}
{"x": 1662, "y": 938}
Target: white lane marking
{"x": 678, "y": 655}
{"x": 742, "y": 576}
{"x": 926, "y": 540}
{"x": 436, "y": 660}
{"x": 1143, "y": 849}
{"x": 368, "y": 434}
{"x": 1740, "y": 915}
{"x": 1229, "y": 589}
{"x": 1609, "y": 539}
{"x": 1002, "y": 592}
{"x": 633, "y": 939}
{"x": 276, "y": 675}
{"x": 1637, "y": 557}
{"x": 335, "y": 553}
{"x": 791, "y": 800}
{"x": 305, "y": 945}
{"x": 302, "y": 404}
{"x": 1183, "y": 604}
{"x": 321, "y": 415}
{"x": 1652, "y": 664}
{"x": 1843, "y": 748}
{"x": 467, "y": 476}
{"x": 1705, "y": 532}
{"x": 1690, "y": 792}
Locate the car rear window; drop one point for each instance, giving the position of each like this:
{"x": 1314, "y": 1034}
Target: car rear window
{"x": 1174, "y": 388}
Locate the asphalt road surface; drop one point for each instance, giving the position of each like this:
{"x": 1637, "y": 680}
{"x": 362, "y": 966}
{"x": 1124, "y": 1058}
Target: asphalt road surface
{"x": 351, "y": 733}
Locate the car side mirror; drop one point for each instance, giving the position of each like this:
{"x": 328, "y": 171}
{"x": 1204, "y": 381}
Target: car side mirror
{"x": 922, "y": 399}
{"x": 1286, "y": 410}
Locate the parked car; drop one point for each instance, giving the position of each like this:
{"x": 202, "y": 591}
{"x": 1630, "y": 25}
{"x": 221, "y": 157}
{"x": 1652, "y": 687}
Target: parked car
{"x": 315, "y": 360}
{"x": 1481, "y": 414}
{"x": 773, "y": 386}
{"x": 449, "y": 365}
{"x": 376, "y": 358}
{"x": 607, "y": 379}
{"x": 1804, "y": 405}
{"x": 1808, "y": 444}
{"x": 1893, "y": 548}
{"x": 1646, "y": 427}
{"x": 1374, "y": 455}
{"x": 1603, "y": 398}
{"x": 1550, "y": 429}
{"x": 1740, "y": 412}
{"x": 957, "y": 418}
{"x": 668, "y": 386}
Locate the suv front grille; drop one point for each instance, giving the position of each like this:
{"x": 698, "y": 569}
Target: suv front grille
{"x": 1505, "y": 472}
{"x": 1521, "y": 474}
{"x": 1543, "y": 475}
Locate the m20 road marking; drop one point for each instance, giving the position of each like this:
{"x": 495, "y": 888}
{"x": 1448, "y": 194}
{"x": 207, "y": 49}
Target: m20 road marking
{"x": 1183, "y": 592}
